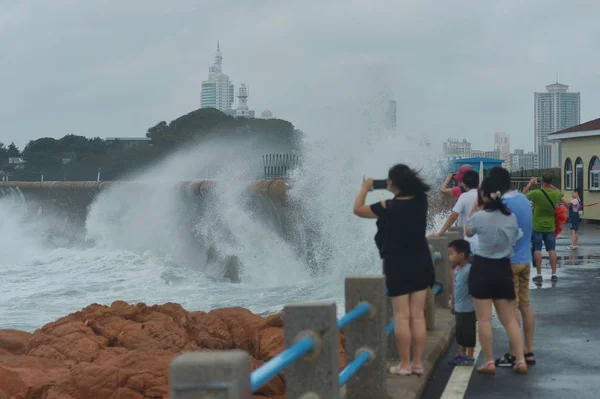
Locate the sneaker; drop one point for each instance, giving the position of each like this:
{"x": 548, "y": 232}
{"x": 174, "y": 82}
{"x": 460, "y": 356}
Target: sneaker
{"x": 506, "y": 361}
{"x": 538, "y": 279}
{"x": 554, "y": 277}
{"x": 456, "y": 360}
{"x": 467, "y": 361}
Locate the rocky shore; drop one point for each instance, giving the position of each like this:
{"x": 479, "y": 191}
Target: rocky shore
{"x": 123, "y": 351}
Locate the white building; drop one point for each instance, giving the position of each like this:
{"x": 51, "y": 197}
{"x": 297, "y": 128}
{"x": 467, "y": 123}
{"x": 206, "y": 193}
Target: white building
{"x": 502, "y": 145}
{"x": 555, "y": 110}
{"x": 495, "y": 154}
{"x": 454, "y": 148}
{"x": 520, "y": 160}
{"x": 242, "y": 110}
{"x": 217, "y": 91}
{"x": 267, "y": 114}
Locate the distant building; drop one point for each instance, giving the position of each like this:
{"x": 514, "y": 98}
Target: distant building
{"x": 217, "y": 91}
{"x": 494, "y": 154}
{"x": 520, "y": 160}
{"x": 17, "y": 162}
{"x": 454, "y": 148}
{"x": 127, "y": 142}
{"x": 555, "y": 110}
{"x": 391, "y": 115}
{"x": 502, "y": 145}
{"x": 267, "y": 114}
{"x": 242, "y": 110}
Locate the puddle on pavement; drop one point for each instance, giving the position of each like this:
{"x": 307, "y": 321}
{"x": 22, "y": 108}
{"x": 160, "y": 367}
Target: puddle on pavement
{"x": 572, "y": 261}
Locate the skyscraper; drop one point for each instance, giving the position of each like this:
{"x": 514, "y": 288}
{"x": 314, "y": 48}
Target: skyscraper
{"x": 217, "y": 91}
{"x": 555, "y": 110}
{"x": 391, "y": 115}
{"x": 502, "y": 145}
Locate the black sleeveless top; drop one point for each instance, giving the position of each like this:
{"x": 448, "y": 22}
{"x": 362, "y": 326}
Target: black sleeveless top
{"x": 401, "y": 229}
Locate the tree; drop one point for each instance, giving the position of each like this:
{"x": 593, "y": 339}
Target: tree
{"x": 13, "y": 150}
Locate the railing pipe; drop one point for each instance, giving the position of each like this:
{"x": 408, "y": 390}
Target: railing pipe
{"x": 262, "y": 375}
{"x": 363, "y": 357}
{"x": 360, "y": 310}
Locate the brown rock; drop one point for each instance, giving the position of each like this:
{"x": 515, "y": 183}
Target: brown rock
{"x": 14, "y": 341}
{"x": 124, "y": 351}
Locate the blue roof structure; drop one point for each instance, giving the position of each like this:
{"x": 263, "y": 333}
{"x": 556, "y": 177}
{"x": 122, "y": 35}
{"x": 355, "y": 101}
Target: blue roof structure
{"x": 475, "y": 162}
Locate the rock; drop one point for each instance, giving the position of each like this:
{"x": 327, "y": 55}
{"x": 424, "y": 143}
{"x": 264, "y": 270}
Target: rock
{"x": 124, "y": 351}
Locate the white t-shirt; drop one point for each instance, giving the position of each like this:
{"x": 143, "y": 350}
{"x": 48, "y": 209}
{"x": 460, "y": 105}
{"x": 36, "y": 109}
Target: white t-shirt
{"x": 463, "y": 207}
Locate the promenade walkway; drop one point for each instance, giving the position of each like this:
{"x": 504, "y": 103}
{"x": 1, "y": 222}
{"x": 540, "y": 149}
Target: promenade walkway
{"x": 565, "y": 342}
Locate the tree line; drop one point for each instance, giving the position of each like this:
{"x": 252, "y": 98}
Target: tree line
{"x": 78, "y": 158}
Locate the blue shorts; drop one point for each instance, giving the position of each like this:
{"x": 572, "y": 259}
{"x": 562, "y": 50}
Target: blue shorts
{"x": 575, "y": 219}
{"x": 548, "y": 239}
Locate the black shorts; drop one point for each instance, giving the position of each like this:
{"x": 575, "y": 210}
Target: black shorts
{"x": 466, "y": 330}
{"x": 491, "y": 279}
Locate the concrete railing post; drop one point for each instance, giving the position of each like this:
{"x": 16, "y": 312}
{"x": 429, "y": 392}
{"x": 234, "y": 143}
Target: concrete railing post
{"x": 440, "y": 244}
{"x": 211, "y": 374}
{"x": 367, "y": 333}
{"x": 316, "y": 374}
{"x": 392, "y": 351}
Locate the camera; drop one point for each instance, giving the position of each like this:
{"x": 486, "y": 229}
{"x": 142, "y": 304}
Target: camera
{"x": 379, "y": 184}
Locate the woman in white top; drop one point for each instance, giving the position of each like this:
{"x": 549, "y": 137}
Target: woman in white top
{"x": 575, "y": 210}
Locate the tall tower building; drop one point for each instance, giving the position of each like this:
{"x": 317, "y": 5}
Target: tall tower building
{"x": 217, "y": 90}
{"x": 242, "y": 109}
{"x": 555, "y": 110}
{"x": 502, "y": 145}
{"x": 391, "y": 115}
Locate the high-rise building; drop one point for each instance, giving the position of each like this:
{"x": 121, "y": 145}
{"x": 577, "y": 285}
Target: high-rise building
{"x": 391, "y": 115}
{"x": 454, "y": 148}
{"x": 495, "y": 154}
{"x": 502, "y": 145}
{"x": 555, "y": 110}
{"x": 217, "y": 91}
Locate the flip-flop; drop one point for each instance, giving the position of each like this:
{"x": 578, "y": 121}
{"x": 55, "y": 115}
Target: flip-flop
{"x": 396, "y": 370}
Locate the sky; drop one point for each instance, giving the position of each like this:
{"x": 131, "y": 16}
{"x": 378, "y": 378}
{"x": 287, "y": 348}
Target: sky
{"x": 460, "y": 69}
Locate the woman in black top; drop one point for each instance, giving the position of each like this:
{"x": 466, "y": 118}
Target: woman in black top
{"x": 407, "y": 263}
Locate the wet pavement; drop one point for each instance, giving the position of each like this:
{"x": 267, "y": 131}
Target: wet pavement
{"x": 567, "y": 334}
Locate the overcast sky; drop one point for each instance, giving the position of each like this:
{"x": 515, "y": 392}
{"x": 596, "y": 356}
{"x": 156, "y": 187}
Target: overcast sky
{"x": 457, "y": 69}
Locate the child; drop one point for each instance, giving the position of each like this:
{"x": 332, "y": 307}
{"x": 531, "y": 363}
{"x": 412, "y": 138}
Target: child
{"x": 461, "y": 302}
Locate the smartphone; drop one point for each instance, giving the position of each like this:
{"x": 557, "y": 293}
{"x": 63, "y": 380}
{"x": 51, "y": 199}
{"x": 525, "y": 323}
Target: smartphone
{"x": 379, "y": 184}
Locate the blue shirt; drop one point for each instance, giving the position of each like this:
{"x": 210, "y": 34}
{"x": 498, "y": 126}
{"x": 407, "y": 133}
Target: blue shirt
{"x": 519, "y": 205}
{"x": 463, "y": 301}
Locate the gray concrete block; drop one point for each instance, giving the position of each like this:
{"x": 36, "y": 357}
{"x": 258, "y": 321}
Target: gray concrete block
{"x": 210, "y": 375}
{"x": 440, "y": 244}
{"x": 367, "y": 332}
{"x": 316, "y": 374}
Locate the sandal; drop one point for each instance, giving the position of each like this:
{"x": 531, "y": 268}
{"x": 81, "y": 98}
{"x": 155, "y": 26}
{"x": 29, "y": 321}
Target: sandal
{"x": 506, "y": 361}
{"x": 418, "y": 371}
{"x": 530, "y": 358}
{"x": 520, "y": 368}
{"x": 397, "y": 370}
{"x": 488, "y": 368}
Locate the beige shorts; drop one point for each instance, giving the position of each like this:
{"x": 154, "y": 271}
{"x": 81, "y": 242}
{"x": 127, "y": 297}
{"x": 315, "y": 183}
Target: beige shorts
{"x": 521, "y": 273}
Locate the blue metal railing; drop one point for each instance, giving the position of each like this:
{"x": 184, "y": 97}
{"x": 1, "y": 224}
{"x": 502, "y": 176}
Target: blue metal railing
{"x": 270, "y": 369}
{"x": 262, "y": 375}
{"x": 351, "y": 369}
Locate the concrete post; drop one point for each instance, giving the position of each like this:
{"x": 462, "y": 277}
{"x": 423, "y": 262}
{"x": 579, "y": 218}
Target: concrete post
{"x": 211, "y": 374}
{"x": 440, "y": 244}
{"x": 367, "y": 333}
{"x": 392, "y": 351}
{"x": 317, "y": 373}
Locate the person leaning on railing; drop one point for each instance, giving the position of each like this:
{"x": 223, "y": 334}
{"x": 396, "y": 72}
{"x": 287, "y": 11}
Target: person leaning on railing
{"x": 407, "y": 263}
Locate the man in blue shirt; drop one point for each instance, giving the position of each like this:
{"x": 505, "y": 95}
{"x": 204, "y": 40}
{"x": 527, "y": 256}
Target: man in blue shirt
{"x": 520, "y": 206}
